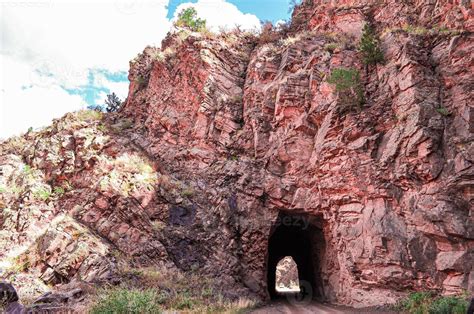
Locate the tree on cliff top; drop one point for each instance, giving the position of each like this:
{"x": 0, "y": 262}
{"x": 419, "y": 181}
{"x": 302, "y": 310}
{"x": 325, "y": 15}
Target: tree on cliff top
{"x": 188, "y": 18}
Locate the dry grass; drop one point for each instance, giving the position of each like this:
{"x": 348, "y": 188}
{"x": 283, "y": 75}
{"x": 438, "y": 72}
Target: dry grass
{"x": 421, "y": 30}
{"x": 166, "y": 290}
{"x": 161, "y": 56}
{"x": 128, "y": 173}
{"x": 89, "y": 115}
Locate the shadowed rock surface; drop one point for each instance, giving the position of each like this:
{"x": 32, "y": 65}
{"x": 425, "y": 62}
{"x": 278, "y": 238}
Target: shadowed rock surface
{"x": 220, "y": 139}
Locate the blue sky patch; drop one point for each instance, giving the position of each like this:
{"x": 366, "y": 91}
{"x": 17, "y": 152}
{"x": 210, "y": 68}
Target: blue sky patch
{"x": 265, "y": 10}
{"x": 92, "y": 91}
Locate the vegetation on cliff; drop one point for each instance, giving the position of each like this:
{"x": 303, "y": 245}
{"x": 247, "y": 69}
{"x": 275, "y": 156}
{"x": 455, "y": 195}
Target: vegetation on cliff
{"x": 369, "y": 46}
{"x": 188, "y": 19}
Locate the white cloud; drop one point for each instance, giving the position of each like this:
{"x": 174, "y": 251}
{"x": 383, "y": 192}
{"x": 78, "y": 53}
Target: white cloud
{"x": 48, "y": 46}
{"x": 119, "y": 88}
{"x": 35, "y": 107}
{"x": 29, "y": 99}
{"x": 219, "y": 13}
{"x": 75, "y": 36}
{"x": 102, "y": 97}
{"x": 24, "y": 105}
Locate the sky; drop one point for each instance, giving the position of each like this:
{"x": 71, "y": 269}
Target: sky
{"x": 61, "y": 56}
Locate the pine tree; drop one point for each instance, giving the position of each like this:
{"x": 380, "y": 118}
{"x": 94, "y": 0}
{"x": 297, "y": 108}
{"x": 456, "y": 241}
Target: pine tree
{"x": 113, "y": 103}
{"x": 348, "y": 87}
{"x": 369, "y": 46}
{"x": 188, "y": 19}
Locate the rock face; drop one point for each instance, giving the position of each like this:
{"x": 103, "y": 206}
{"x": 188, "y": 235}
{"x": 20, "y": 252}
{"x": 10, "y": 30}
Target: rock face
{"x": 348, "y": 16}
{"x": 74, "y": 201}
{"x": 229, "y": 155}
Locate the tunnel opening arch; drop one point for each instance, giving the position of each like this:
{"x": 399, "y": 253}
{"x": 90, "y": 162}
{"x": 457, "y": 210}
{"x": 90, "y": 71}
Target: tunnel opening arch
{"x": 299, "y": 236}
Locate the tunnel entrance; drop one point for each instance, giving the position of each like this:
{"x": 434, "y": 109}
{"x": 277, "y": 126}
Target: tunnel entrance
{"x": 299, "y": 237}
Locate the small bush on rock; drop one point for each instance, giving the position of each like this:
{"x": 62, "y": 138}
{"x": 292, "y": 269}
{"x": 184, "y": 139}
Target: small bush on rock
{"x": 187, "y": 18}
{"x": 141, "y": 81}
{"x": 42, "y": 194}
{"x": 443, "y": 111}
{"x": 331, "y": 47}
{"x": 269, "y": 34}
{"x": 414, "y": 29}
{"x": 369, "y": 46}
{"x": 348, "y": 87}
{"x": 59, "y": 191}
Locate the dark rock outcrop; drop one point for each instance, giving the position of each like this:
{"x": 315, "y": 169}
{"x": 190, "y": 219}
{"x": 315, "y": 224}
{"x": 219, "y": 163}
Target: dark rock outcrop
{"x": 9, "y": 299}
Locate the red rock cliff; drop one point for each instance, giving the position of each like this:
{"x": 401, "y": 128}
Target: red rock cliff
{"x": 257, "y": 160}
{"x": 391, "y": 186}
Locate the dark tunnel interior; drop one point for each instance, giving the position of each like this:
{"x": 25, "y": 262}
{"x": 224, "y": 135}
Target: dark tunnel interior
{"x": 299, "y": 237}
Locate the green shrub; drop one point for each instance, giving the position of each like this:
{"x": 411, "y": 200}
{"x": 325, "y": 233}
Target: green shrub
{"x": 449, "y": 305}
{"x": 127, "y": 301}
{"x": 187, "y": 18}
{"x": 331, "y": 47}
{"x": 59, "y": 191}
{"x": 19, "y": 264}
{"x": 344, "y": 79}
{"x": 42, "y": 194}
{"x": 417, "y": 302}
{"x": 348, "y": 87}
{"x": 369, "y": 46}
{"x": 102, "y": 128}
{"x": 443, "y": 111}
{"x": 207, "y": 292}
{"x": 141, "y": 81}
{"x": 184, "y": 302}
{"x": 27, "y": 170}
{"x": 429, "y": 303}
{"x": 166, "y": 291}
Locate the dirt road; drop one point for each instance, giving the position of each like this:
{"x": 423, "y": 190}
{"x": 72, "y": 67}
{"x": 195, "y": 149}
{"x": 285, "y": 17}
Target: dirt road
{"x": 294, "y": 306}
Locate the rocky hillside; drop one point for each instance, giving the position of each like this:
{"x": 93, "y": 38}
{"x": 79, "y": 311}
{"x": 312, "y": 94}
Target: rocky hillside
{"x": 234, "y": 151}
